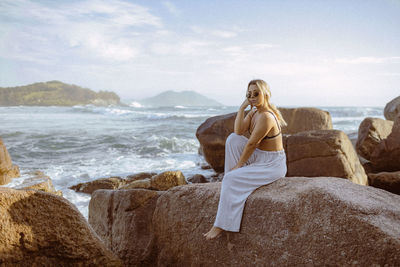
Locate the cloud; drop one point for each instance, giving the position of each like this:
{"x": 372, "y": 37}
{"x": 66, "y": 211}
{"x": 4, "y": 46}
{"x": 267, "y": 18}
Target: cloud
{"x": 366, "y": 60}
{"x": 91, "y": 29}
{"x": 171, "y": 7}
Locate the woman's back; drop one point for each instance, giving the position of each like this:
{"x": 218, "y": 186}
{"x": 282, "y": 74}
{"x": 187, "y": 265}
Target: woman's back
{"x": 273, "y": 139}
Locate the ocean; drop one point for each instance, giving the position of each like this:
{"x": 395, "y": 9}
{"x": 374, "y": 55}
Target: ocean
{"x": 83, "y": 143}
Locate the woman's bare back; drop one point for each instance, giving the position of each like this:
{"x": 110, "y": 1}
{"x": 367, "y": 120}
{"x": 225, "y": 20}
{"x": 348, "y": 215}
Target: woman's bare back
{"x": 274, "y": 143}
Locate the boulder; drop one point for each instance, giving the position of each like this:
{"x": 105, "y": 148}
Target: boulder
{"x": 7, "y": 169}
{"x": 305, "y": 119}
{"x": 102, "y": 183}
{"x": 392, "y": 109}
{"x": 324, "y": 153}
{"x": 42, "y": 229}
{"x": 386, "y": 156}
{"x": 213, "y": 132}
{"x": 300, "y": 221}
{"x": 39, "y": 181}
{"x": 370, "y": 133}
{"x": 292, "y": 222}
{"x": 389, "y": 181}
{"x": 122, "y": 219}
{"x": 167, "y": 180}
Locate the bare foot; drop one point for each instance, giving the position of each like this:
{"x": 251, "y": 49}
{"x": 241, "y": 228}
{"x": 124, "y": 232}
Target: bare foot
{"x": 213, "y": 233}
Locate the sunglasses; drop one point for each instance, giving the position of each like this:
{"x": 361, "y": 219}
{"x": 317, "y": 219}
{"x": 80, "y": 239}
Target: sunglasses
{"x": 249, "y": 95}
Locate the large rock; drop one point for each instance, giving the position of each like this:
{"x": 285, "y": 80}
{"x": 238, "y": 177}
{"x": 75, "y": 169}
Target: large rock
{"x": 213, "y": 132}
{"x": 291, "y": 222}
{"x": 389, "y": 181}
{"x": 42, "y": 229}
{"x": 392, "y": 109}
{"x": 122, "y": 218}
{"x": 7, "y": 169}
{"x": 324, "y": 153}
{"x": 386, "y": 156}
{"x": 305, "y": 119}
{"x": 320, "y": 221}
{"x": 370, "y": 133}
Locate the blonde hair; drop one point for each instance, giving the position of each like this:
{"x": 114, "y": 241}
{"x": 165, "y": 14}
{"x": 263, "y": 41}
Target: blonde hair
{"x": 264, "y": 87}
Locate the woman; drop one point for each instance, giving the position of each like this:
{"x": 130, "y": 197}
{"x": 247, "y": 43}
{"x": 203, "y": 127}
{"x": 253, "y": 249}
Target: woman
{"x": 250, "y": 163}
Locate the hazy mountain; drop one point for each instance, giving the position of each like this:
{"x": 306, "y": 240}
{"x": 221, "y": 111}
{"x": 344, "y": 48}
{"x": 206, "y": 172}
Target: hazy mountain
{"x": 184, "y": 98}
{"x": 55, "y": 93}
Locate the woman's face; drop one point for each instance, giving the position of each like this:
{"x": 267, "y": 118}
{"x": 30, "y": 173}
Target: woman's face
{"x": 254, "y": 95}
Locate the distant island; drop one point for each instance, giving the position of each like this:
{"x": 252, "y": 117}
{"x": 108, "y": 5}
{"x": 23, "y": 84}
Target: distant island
{"x": 55, "y": 93}
{"x": 184, "y": 98}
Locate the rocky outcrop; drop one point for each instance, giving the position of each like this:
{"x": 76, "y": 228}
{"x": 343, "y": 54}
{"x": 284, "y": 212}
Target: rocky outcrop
{"x": 324, "y": 153}
{"x": 392, "y": 109}
{"x": 386, "y": 156}
{"x": 305, "y": 119}
{"x": 389, "y": 181}
{"x": 42, "y": 229}
{"x": 139, "y": 176}
{"x": 122, "y": 219}
{"x": 213, "y": 132}
{"x": 370, "y": 133}
{"x": 39, "y": 181}
{"x": 319, "y": 221}
{"x": 102, "y": 183}
{"x": 7, "y": 169}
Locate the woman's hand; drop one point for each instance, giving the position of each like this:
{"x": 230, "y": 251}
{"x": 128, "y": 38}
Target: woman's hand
{"x": 245, "y": 104}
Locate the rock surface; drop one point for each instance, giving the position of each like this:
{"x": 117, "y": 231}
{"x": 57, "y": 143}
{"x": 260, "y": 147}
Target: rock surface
{"x": 167, "y": 180}
{"x": 319, "y": 221}
{"x": 42, "y": 229}
{"x": 102, "y": 183}
{"x": 389, "y": 181}
{"x": 392, "y": 109}
{"x": 213, "y": 132}
{"x": 7, "y": 169}
{"x": 39, "y": 181}
{"x": 370, "y": 133}
{"x": 324, "y": 153}
{"x": 305, "y": 119}
{"x": 122, "y": 219}
{"x": 386, "y": 156}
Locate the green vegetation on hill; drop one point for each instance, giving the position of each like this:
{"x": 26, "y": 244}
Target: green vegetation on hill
{"x": 54, "y": 93}
{"x": 184, "y": 98}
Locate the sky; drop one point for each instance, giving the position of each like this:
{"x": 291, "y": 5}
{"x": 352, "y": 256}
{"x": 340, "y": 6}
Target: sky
{"x": 312, "y": 53}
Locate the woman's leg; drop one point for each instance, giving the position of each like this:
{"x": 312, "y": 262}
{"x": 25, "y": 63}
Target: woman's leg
{"x": 237, "y": 185}
{"x": 234, "y": 146}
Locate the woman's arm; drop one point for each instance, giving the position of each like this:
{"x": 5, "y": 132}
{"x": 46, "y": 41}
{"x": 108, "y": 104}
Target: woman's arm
{"x": 242, "y": 124}
{"x": 262, "y": 127}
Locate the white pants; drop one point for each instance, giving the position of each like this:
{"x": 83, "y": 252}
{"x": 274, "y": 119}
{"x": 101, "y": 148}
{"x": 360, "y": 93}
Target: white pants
{"x": 263, "y": 167}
